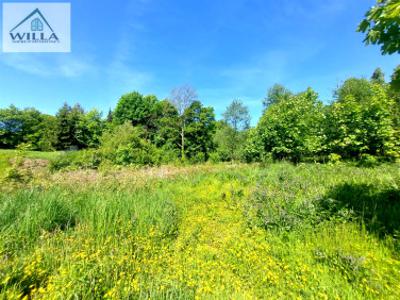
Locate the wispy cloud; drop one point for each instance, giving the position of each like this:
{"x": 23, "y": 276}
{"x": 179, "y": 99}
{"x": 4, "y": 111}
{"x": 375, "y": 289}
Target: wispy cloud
{"x": 45, "y": 66}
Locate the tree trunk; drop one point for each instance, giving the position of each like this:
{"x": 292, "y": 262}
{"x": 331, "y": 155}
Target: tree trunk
{"x": 182, "y": 144}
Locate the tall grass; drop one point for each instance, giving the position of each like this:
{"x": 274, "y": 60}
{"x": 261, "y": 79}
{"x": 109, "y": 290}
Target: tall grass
{"x": 278, "y": 231}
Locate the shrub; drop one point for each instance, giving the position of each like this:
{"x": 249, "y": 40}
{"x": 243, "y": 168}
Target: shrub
{"x": 334, "y": 158}
{"x": 197, "y": 158}
{"x": 16, "y": 172}
{"x": 279, "y": 213}
{"x": 367, "y": 160}
{"x": 169, "y": 156}
{"x": 125, "y": 145}
{"x": 84, "y": 159}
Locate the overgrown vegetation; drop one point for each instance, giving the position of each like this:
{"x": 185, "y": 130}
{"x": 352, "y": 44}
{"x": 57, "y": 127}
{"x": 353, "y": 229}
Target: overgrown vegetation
{"x": 241, "y": 231}
{"x": 363, "y": 120}
{"x": 125, "y": 207}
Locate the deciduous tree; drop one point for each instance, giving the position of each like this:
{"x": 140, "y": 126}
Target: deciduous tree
{"x": 182, "y": 98}
{"x": 382, "y": 26}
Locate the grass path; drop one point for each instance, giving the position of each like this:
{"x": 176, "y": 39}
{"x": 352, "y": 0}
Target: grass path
{"x": 216, "y": 254}
{"x": 213, "y": 236}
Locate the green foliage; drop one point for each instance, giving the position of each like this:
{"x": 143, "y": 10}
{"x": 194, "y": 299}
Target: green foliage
{"x": 16, "y": 173}
{"x": 72, "y": 160}
{"x": 26, "y": 126}
{"x": 199, "y": 131}
{"x": 395, "y": 79}
{"x": 367, "y": 160}
{"x": 276, "y": 94}
{"x": 361, "y": 121}
{"x": 280, "y": 214}
{"x": 137, "y": 109}
{"x": 292, "y": 128}
{"x": 378, "y": 76}
{"x": 237, "y": 116}
{"x": 334, "y": 158}
{"x": 225, "y": 147}
{"x": 377, "y": 206}
{"x": 361, "y": 89}
{"x": 68, "y": 120}
{"x": 253, "y": 150}
{"x": 364, "y": 119}
{"x": 125, "y": 145}
{"x": 382, "y": 26}
{"x": 230, "y": 136}
{"x": 89, "y": 129}
{"x": 166, "y": 134}
{"x": 230, "y": 144}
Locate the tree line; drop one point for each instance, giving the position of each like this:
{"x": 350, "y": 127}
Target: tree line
{"x": 362, "y": 119}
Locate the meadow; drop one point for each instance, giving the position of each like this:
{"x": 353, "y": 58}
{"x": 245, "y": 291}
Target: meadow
{"x": 210, "y": 231}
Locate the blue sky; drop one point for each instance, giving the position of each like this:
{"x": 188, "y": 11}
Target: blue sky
{"x": 226, "y": 49}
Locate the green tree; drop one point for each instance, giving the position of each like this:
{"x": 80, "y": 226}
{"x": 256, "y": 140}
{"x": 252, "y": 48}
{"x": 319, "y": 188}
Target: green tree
{"x": 378, "y": 76}
{"x": 109, "y": 118}
{"x": 276, "y": 94}
{"x": 237, "y": 116}
{"x": 48, "y": 133}
{"x": 68, "y": 119}
{"x": 395, "y": 79}
{"x": 292, "y": 128}
{"x": 222, "y": 142}
{"x": 11, "y": 127}
{"x": 360, "y": 89}
{"x": 394, "y": 92}
{"x": 356, "y": 125}
{"x": 167, "y": 126}
{"x": 231, "y": 134}
{"x": 89, "y": 129}
{"x": 27, "y": 126}
{"x": 382, "y": 26}
{"x": 138, "y": 109}
{"x": 199, "y": 131}
{"x": 254, "y": 149}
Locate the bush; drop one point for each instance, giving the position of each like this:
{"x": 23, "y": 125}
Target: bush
{"x": 198, "y": 158}
{"x": 274, "y": 212}
{"x": 215, "y": 157}
{"x": 125, "y": 145}
{"x": 169, "y": 156}
{"x": 334, "y": 158}
{"x": 16, "y": 172}
{"x": 84, "y": 159}
{"x": 367, "y": 160}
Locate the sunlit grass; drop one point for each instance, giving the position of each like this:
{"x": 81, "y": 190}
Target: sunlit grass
{"x": 200, "y": 234}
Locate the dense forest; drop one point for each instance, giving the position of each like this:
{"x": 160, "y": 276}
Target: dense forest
{"x": 362, "y": 122}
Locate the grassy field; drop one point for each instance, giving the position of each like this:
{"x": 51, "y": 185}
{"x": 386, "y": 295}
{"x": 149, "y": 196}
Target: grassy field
{"x": 204, "y": 232}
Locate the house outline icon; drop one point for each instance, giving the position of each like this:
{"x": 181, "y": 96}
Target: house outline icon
{"x": 38, "y": 22}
